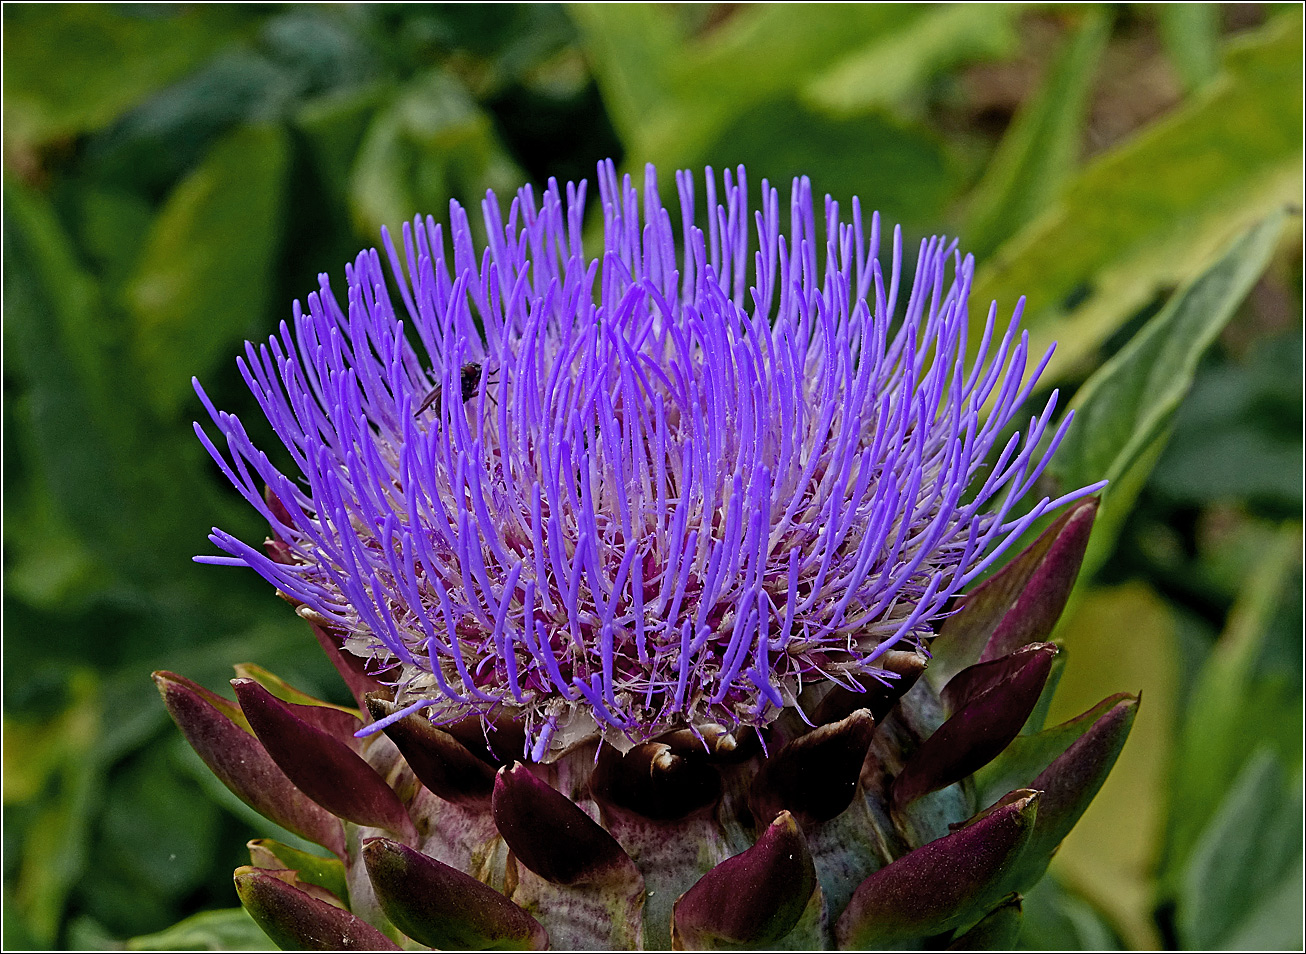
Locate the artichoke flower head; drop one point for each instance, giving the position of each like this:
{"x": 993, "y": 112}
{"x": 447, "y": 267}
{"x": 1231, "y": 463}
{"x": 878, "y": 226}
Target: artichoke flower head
{"x": 634, "y": 565}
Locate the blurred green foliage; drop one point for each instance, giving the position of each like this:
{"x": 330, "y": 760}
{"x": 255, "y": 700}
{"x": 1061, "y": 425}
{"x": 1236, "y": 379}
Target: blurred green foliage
{"x": 176, "y": 175}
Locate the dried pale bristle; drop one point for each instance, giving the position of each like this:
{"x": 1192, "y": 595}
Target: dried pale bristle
{"x": 683, "y": 482}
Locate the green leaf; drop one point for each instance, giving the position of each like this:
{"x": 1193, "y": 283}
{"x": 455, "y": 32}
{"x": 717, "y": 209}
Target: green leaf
{"x": 1275, "y": 920}
{"x": 54, "y": 847}
{"x": 1251, "y": 842}
{"x": 228, "y": 930}
{"x": 328, "y": 873}
{"x": 1041, "y": 147}
{"x": 302, "y": 53}
{"x": 671, "y": 98}
{"x": 779, "y": 139}
{"x": 112, "y": 228}
{"x": 63, "y": 353}
{"x": 334, "y": 127}
{"x": 158, "y": 830}
{"x": 1228, "y": 706}
{"x": 1121, "y": 638}
{"x": 1055, "y": 919}
{"x": 431, "y": 144}
{"x": 1152, "y": 210}
{"x": 1123, "y": 413}
{"x": 153, "y": 147}
{"x": 770, "y": 49}
{"x": 204, "y": 279}
{"x": 898, "y": 65}
{"x": 1191, "y": 35}
{"x": 53, "y": 295}
{"x": 736, "y": 94}
{"x": 48, "y": 566}
{"x": 631, "y": 48}
{"x": 70, "y": 68}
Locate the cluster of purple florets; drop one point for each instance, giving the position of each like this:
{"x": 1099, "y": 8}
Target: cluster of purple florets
{"x": 669, "y": 486}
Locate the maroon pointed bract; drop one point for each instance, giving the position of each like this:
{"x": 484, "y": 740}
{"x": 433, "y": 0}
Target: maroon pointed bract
{"x": 439, "y": 761}
{"x": 551, "y": 836}
{"x": 978, "y": 732}
{"x": 979, "y": 678}
{"x": 240, "y": 761}
{"x": 323, "y": 767}
{"x": 654, "y": 781}
{"x": 940, "y": 886}
{"x": 814, "y": 777}
{"x": 1039, "y": 604}
{"x": 297, "y": 922}
{"x": 753, "y": 899}
{"x": 1005, "y": 610}
{"x": 443, "y": 908}
{"x": 1070, "y": 783}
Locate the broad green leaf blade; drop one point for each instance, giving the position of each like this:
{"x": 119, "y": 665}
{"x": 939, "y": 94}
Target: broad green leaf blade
{"x": 769, "y": 49}
{"x": 1275, "y": 921}
{"x": 631, "y": 48}
{"x": 70, "y": 428}
{"x": 734, "y": 95}
{"x": 672, "y": 97}
{"x": 228, "y": 930}
{"x": 54, "y": 848}
{"x": 916, "y": 173}
{"x": 204, "y": 279}
{"x": 1251, "y": 842}
{"x": 69, "y": 68}
{"x": 1191, "y": 35}
{"x": 1228, "y": 707}
{"x": 333, "y": 128}
{"x": 1041, "y": 148}
{"x": 1122, "y": 637}
{"x": 1056, "y": 919}
{"x": 431, "y": 143}
{"x": 896, "y": 66}
{"x": 1151, "y": 211}
{"x": 1124, "y": 412}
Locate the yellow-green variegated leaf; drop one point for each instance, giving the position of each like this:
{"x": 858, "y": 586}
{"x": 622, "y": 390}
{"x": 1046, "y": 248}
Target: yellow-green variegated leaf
{"x": 1153, "y": 210}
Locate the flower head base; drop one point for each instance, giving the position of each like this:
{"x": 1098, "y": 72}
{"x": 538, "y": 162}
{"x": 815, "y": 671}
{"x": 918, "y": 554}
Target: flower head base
{"x": 670, "y": 487}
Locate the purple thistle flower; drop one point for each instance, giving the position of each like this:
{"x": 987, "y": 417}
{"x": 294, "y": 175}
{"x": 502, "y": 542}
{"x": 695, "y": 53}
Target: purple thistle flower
{"x": 668, "y": 487}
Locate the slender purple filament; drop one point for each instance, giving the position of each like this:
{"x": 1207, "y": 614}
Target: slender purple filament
{"x": 689, "y": 479}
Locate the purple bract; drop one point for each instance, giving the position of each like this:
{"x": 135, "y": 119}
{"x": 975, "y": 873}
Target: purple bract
{"x": 667, "y": 487}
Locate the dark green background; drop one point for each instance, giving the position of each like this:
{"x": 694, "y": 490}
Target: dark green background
{"x": 175, "y": 176}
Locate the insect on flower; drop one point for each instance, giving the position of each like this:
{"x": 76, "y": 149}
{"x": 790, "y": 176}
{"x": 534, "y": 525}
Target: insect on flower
{"x": 470, "y": 383}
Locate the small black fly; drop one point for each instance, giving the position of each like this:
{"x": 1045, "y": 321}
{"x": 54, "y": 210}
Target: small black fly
{"x": 470, "y": 381}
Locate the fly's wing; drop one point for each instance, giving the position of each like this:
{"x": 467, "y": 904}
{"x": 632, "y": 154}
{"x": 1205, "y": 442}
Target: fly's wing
{"x": 427, "y": 401}
{"x": 469, "y": 381}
